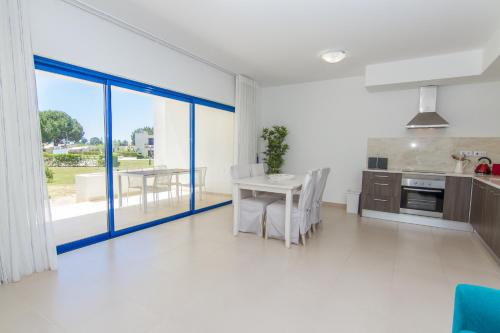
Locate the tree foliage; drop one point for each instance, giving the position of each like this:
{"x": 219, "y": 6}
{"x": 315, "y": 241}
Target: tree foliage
{"x": 120, "y": 143}
{"x": 146, "y": 129}
{"x": 95, "y": 141}
{"x": 58, "y": 126}
{"x": 276, "y": 147}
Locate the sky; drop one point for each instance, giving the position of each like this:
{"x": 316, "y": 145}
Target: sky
{"x": 84, "y": 101}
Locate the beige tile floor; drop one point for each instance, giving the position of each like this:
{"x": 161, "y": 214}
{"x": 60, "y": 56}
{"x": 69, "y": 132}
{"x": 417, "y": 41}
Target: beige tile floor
{"x": 192, "y": 275}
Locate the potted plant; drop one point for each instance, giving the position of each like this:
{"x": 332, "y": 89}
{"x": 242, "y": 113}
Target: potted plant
{"x": 276, "y": 147}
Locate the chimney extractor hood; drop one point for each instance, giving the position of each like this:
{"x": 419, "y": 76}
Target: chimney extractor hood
{"x": 427, "y": 117}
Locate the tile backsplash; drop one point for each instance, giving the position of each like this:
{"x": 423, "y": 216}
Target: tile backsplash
{"x": 432, "y": 153}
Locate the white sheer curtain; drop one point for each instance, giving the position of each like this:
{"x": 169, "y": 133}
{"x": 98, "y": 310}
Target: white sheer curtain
{"x": 26, "y": 242}
{"x": 246, "y": 110}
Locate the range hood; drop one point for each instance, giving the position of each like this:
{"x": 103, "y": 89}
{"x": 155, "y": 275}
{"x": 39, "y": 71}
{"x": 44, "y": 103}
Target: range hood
{"x": 427, "y": 117}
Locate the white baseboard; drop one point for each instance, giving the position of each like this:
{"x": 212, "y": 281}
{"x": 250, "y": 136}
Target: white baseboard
{"x": 415, "y": 219}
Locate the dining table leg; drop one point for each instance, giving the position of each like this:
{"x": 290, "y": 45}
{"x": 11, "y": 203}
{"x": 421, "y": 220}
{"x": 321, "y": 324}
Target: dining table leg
{"x": 177, "y": 186}
{"x": 200, "y": 185}
{"x": 288, "y": 216}
{"x": 236, "y": 209}
{"x": 120, "y": 200}
{"x": 144, "y": 194}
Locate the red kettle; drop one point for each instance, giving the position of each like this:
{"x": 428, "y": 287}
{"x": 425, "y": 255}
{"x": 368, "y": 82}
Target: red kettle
{"x": 483, "y": 168}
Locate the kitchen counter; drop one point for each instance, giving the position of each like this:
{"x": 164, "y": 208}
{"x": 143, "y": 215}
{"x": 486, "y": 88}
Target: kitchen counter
{"x": 487, "y": 179}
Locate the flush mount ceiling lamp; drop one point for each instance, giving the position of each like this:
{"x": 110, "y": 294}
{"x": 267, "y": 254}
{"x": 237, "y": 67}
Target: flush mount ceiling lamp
{"x": 333, "y": 57}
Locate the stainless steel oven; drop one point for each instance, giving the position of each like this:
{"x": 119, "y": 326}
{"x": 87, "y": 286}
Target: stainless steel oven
{"x": 422, "y": 194}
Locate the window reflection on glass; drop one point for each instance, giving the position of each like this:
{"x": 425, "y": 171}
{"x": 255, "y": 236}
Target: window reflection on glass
{"x": 72, "y": 127}
{"x": 151, "y": 179}
{"x": 214, "y": 155}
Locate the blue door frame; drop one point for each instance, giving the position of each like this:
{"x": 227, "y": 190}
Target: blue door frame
{"x": 108, "y": 81}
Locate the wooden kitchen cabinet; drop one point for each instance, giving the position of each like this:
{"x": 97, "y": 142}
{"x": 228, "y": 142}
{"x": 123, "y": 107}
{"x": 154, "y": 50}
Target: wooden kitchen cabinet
{"x": 485, "y": 214}
{"x": 494, "y": 219}
{"x": 476, "y": 213}
{"x": 381, "y": 191}
{"x": 457, "y": 199}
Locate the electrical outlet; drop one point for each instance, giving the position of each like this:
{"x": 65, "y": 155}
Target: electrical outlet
{"x": 467, "y": 153}
{"x": 479, "y": 153}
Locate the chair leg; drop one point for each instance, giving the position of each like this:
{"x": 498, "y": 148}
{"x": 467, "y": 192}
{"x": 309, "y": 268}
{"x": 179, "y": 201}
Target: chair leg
{"x": 313, "y": 227}
{"x": 303, "y": 237}
{"x": 266, "y": 232}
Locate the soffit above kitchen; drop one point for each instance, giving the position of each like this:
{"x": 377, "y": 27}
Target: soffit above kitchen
{"x": 248, "y": 37}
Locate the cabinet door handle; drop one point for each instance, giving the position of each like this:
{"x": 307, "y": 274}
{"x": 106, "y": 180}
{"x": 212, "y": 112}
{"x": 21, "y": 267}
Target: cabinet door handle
{"x": 381, "y": 176}
{"x": 381, "y": 184}
{"x": 383, "y": 200}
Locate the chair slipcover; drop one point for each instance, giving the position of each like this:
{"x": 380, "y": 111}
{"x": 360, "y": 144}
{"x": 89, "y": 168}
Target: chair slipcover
{"x": 301, "y": 210}
{"x": 318, "y": 195}
{"x": 477, "y": 309}
{"x": 252, "y": 209}
{"x": 256, "y": 170}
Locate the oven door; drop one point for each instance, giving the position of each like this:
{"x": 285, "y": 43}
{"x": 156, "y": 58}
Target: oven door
{"x": 422, "y": 201}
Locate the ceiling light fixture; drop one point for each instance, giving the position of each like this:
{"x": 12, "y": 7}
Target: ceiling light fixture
{"x": 333, "y": 57}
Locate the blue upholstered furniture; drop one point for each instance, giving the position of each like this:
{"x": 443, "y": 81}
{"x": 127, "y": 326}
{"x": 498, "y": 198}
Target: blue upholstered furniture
{"x": 477, "y": 309}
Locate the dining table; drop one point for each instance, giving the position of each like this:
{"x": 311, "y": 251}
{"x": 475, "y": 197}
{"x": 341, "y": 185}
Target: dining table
{"x": 146, "y": 174}
{"x": 288, "y": 187}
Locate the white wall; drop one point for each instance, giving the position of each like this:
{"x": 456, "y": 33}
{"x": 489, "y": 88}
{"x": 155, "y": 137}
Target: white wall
{"x": 172, "y": 134}
{"x": 214, "y": 147}
{"x": 214, "y": 142}
{"x": 329, "y": 122}
{"x": 63, "y": 32}
{"x": 440, "y": 67}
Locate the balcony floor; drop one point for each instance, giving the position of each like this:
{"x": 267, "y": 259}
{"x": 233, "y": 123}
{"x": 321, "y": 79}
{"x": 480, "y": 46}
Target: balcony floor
{"x": 73, "y": 221}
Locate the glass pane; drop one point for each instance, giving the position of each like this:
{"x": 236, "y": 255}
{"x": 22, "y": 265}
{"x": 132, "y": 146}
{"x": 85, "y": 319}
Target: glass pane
{"x": 73, "y": 128}
{"x": 151, "y": 149}
{"x": 213, "y": 155}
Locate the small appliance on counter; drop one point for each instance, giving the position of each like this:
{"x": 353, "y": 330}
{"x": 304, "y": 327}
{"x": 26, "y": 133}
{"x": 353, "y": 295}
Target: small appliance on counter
{"x": 495, "y": 169}
{"x": 378, "y": 163}
{"x": 462, "y": 162}
{"x": 483, "y": 168}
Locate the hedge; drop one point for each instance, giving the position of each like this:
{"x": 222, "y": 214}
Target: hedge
{"x": 127, "y": 153}
{"x": 77, "y": 160}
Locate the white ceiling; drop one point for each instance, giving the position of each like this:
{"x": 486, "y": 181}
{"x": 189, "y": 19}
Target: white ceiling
{"x": 277, "y": 41}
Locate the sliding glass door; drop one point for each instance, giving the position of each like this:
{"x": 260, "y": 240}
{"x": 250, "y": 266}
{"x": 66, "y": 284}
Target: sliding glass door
{"x": 214, "y": 155}
{"x": 73, "y": 135}
{"x": 122, "y": 156}
{"x": 151, "y": 147}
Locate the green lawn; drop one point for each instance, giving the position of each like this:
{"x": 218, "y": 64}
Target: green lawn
{"x": 66, "y": 175}
{"x": 144, "y": 163}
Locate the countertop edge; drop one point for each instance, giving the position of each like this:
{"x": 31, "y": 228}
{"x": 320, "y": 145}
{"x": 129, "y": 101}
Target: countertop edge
{"x": 484, "y": 179}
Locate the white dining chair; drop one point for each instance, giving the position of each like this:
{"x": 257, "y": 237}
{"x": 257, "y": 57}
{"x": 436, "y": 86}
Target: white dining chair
{"x": 134, "y": 183}
{"x": 301, "y": 213}
{"x": 200, "y": 179}
{"x": 256, "y": 170}
{"x": 252, "y": 209}
{"x": 163, "y": 183}
{"x": 318, "y": 197}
